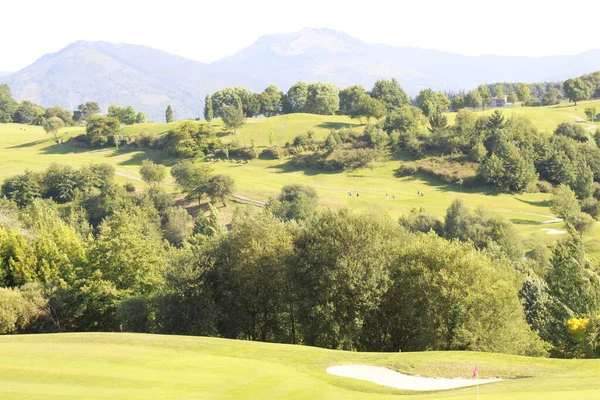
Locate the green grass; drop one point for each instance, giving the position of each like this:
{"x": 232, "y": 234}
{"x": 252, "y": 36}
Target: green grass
{"x": 136, "y": 366}
{"x": 547, "y": 118}
{"x": 262, "y": 179}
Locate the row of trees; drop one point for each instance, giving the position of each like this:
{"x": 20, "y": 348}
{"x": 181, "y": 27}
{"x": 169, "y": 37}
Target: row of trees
{"x": 113, "y": 259}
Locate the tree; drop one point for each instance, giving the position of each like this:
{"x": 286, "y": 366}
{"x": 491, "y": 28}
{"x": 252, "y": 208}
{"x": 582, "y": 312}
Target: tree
{"x": 141, "y": 118}
{"x": 233, "y": 118}
{"x": 390, "y": 93}
{"x": 193, "y": 178}
{"x": 512, "y": 98}
{"x": 153, "y": 174}
{"x": 177, "y": 225}
{"x": 576, "y": 90}
{"x": 208, "y": 109}
{"x": 169, "y": 116}
{"x": 590, "y": 112}
{"x": 323, "y": 99}
{"x": 431, "y": 102}
{"x": 53, "y": 125}
{"x": 8, "y": 105}
{"x": 295, "y": 202}
{"x": 101, "y": 131}
{"x": 271, "y": 101}
{"x": 473, "y": 99}
{"x": 129, "y": 251}
{"x": 28, "y": 113}
{"x": 458, "y": 103}
{"x": 485, "y": 94}
{"x": 248, "y": 101}
{"x": 465, "y": 300}
{"x": 295, "y": 99}
{"x": 368, "y": 107}
{"x": 523, "y": 93}
{"x": 349, "y": 99}
{"x": 572, "y": 130}
{"x": 22, "y": 189}
{"x": 219, "y": 187}
{"x": 249, "y": 279}
{"x": 499, "y": 91}
{"x": 85, "y": 111}
{"x": 340, "y": 272}
{"x": 564, "y": 202}
{"x": 551, "y": 97}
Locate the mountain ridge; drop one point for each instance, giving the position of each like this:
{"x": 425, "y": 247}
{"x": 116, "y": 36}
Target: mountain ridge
{"x": 149, "y": 79}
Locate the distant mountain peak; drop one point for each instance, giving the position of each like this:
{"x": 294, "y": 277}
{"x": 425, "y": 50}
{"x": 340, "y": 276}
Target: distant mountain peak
{"x": 150, "y": 79}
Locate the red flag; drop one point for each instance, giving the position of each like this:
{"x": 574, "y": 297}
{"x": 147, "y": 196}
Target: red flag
{"x": 475, "y": 371}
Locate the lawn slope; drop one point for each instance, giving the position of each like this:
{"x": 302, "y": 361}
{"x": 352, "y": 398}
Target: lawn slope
{"x": 139, "y": 366}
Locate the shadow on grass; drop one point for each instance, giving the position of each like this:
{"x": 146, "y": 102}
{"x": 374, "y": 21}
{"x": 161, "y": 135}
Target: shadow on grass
{"x": 524, "y": 222}
{"x": 337, "y": 125}
{"x": 288, "y": 167}
{"x": 544, "y": 203}
{"x": 28, "y": 144}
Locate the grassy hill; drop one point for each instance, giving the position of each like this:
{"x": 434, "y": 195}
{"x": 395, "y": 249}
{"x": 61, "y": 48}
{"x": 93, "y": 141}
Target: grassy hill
{"x": 137, "y": 366}
{"x": 262, "y": 179}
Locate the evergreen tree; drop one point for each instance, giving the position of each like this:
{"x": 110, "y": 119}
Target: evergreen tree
{"x": 208, "y": 109}
{"x": 169, "y": 114}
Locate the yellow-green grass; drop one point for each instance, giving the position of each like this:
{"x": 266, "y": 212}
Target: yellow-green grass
{"x": 138, "y": 366}
{"x": 264, "y": 131}
{"x": 547, "y": 118}
{"x": 262, "y": 179}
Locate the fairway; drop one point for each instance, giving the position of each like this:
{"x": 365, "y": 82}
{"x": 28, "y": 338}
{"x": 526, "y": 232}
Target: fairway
{"x": 263, "y": 179}
{"x": 139, "y": 366}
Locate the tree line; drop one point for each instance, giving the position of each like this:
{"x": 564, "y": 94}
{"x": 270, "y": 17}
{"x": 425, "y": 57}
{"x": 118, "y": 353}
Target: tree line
{"x": 115, "y": 259}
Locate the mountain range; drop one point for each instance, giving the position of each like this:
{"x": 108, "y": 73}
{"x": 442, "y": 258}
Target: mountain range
{"x": 150, "y": 79}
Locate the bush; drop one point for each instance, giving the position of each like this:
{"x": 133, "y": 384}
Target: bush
{"x": 273, "y": 153}
{"x": 448, "y": 169}
{"x": 544, "y": 187}
{"x": 343, "y": 159}
{"x": 305, "y": 139}
{"x": 147, "y": 140}
{"x": 591, "y": 206}
{"x": 573, "y": 131}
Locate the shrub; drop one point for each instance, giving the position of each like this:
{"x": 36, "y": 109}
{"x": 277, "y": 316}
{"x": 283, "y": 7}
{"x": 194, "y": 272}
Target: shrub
{"x": 544, "y": 187}
{"x": 448, "y": 169}
{"x": 147, "y": 140}
{"x": 344, "y": 159}
{"x": 273, "y": 153}
{"x": 573, "y": 131}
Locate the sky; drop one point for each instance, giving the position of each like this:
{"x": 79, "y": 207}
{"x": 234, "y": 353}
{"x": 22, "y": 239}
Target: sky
{"x": 208, "y": 30}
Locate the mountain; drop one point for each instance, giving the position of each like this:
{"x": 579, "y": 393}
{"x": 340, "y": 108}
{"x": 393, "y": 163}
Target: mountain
{"x": 150, "y": 79}
{"x": 4, "y": 73}
{"x": 108, "y": 73}
{"x": 335, "y": 57}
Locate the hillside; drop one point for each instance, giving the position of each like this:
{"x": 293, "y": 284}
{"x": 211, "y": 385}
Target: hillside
{"x": 149, "y": 79}
{"x": 145, "y": 78}
{"x": 135, "y": 366}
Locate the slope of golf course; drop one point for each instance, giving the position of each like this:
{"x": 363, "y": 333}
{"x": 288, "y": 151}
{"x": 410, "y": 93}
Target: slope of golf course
{"x": 141, "y": 366}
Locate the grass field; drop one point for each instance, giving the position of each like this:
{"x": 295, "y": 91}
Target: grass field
{"x": 262, "y": 179}
{"x": 547, "y": 118}
{"x": 136, "y": 366}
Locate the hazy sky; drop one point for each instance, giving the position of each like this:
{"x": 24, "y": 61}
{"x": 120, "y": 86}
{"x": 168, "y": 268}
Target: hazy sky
{"x": 208, "y": 30}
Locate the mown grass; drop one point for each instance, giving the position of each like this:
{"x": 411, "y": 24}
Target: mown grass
{"x": 138, "y": 366}
{"x": 262, "y": 179}
{"x": 547, "y": 118}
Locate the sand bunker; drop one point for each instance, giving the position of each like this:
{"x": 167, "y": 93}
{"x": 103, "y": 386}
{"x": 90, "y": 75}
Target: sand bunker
{"x": 387, "y": 377}
{"x": 554, "y": 232}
